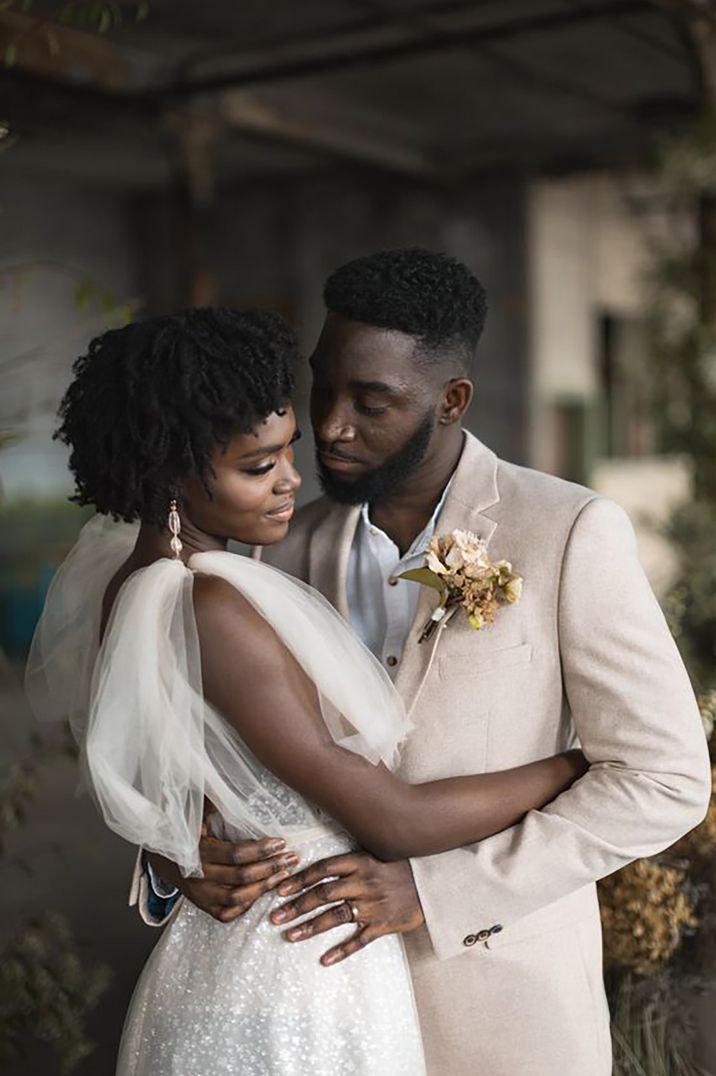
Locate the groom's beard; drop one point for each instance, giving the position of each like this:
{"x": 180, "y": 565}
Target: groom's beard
{"x": 380, "y": 483}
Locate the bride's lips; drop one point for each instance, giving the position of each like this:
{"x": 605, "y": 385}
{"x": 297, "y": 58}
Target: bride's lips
{"x": 284, "y": 512}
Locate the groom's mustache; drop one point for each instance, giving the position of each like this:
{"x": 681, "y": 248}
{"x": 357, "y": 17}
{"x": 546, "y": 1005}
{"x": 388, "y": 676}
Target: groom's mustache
{"x": 332, "y": 453}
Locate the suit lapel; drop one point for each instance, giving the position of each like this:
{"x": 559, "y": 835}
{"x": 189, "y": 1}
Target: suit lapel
{"x": 473, "y": 490}
{"x": 329, "y": 550}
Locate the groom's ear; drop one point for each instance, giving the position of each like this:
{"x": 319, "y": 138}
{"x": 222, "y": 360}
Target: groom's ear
{"x": 456, "y": 398}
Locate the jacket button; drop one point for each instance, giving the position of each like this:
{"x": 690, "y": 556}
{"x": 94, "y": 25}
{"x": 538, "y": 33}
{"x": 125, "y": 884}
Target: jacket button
{"x": 392, "y": 582}
{"x": 496, "y": 929}
{"x": 469, "y": 940}
{"x": 391, "y": 660}
{"x": 483, "y": 935}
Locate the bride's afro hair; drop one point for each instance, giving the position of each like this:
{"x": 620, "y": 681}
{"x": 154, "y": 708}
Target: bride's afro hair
{"x": 425, "y": 294}
{"x": 150, "y": 402}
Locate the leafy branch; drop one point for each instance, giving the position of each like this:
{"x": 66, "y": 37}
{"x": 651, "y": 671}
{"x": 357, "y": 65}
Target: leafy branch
{"x": 87, "y": 15}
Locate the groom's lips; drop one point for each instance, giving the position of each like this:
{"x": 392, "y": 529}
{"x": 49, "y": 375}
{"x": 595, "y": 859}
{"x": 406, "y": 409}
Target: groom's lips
{"x": 338, "y": 463}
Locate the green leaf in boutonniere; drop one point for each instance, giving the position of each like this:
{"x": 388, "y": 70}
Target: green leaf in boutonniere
{"x": 429, "y": 578}
{"x": 459, "y": 568}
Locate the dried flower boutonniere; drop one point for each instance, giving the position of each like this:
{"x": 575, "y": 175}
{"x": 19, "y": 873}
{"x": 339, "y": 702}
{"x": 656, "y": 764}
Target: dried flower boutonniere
{"x": 458, "y": 566}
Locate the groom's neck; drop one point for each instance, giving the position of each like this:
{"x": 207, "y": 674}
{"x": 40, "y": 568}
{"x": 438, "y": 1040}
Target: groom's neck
{"x": 407, "y": 510}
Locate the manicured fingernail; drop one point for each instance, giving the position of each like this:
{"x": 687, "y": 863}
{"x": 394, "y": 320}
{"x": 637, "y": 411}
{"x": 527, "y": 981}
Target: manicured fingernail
{"x": 286, "y": 888}
{"x": 289, "y": 860}
{"x": 275, "y": 845}
{"x": 330, "y": 958}
{"x": 274, "y": 881}
{"x": 281, "y": 915}
{"x": 297, "y": 932}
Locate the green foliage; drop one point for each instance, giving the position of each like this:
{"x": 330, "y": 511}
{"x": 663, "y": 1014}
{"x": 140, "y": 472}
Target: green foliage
{"x": 689, "y": 163}
{"x": 46, "y": 992}
{"x": 87, "y": 295}
{"x": 652, "y": 1027}
{"x": 20, "y": 786}
{"x": 683, "y": 322}
{"x": 88, "y": 15}
{"x": 691, "y": 603}
{"x": 653, "y": 1030}
{"x": 683, "y": 345}
{"x": 101, "y": 17}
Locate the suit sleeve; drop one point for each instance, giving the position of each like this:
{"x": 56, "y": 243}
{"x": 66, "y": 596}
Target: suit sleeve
{"x": 154, "y": 908}
{"x": 638, "y": 723}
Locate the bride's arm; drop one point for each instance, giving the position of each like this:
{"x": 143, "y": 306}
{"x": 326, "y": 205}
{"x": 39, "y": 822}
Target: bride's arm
{"x": 255, "y": 682}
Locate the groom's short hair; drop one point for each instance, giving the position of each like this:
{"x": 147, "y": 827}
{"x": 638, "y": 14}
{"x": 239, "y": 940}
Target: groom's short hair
{"x": 423, "y": 293}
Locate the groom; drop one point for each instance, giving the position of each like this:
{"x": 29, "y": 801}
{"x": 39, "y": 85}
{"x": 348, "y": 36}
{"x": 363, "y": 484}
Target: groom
{"x": 503, "y": 936}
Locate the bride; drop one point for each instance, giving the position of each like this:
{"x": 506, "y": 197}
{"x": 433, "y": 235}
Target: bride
{"x": 196, "y": 677}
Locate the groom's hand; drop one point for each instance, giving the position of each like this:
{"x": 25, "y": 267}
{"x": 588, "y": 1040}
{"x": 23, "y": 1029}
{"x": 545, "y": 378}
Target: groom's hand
{"x": 235, "y": 875}
{"x": 380, "y": 898}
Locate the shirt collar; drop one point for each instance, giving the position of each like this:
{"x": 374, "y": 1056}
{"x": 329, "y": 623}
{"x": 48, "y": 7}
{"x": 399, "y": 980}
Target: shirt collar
{"x": 422, "y": 541}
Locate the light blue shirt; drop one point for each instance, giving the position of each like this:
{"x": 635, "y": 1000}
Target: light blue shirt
{"x": 382, "y": 606}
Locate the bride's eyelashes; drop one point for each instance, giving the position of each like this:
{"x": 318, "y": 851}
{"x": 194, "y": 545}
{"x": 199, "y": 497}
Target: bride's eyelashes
{"x": 261, "y": 470}
{"x": 265, "y": 468}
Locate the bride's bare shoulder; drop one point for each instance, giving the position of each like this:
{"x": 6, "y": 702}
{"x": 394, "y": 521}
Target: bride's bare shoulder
{"x": 222, "y": 612}
{"x": 215, "y": 596}
{"x": 243, "y": 660}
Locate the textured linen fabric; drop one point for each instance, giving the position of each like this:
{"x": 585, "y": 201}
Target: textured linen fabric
{"x": 586, "y": 656}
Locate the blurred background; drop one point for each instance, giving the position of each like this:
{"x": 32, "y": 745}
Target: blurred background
{"x": 172, "y": 153}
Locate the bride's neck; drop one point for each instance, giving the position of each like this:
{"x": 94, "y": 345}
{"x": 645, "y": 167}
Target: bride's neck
{"x": 153, "y": 543}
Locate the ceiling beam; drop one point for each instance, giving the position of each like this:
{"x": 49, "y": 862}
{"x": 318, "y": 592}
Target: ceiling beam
{"x": 329, "y": 136}
{"x": 377, "y": 19}
{"x": 248, "y": 113}
{"x": 420, "y": 44}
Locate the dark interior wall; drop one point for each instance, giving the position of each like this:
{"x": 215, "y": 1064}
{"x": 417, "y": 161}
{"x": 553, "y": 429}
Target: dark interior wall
{"x": 277, "y": 241}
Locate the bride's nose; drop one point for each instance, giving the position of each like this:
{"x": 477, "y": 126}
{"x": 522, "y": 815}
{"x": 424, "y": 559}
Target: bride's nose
{"x": 289, "y": 480}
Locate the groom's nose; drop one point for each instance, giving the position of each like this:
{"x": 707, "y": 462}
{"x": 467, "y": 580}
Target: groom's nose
{"x": 334, "y": 426}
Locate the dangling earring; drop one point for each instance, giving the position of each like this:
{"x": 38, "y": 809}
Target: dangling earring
{"x": 174, "y": 524}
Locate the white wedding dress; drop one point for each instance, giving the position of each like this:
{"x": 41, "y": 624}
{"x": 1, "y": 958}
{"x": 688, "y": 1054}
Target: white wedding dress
{"x": 222, "y": 999}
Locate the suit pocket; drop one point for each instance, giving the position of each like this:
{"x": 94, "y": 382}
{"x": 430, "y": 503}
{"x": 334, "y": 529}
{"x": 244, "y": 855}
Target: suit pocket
{"x": 477, "y": 660}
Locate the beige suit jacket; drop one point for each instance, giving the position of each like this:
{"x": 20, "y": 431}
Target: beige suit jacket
{"x": 507, "y": 971}
{"x": 585, "y": 654}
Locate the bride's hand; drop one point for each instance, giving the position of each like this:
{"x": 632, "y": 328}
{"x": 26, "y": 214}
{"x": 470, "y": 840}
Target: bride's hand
{"x": 235, "y": 875}
{"x": 380, "y": 898}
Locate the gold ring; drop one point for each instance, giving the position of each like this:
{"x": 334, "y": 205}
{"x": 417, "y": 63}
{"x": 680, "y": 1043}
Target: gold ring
{"x": 354, "y": 912}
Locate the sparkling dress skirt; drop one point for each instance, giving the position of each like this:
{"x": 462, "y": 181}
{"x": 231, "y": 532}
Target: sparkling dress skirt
{"x": 237, "y": 999}
{"x": 216, "y": 999}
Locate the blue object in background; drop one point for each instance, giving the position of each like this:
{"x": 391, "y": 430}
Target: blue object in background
{"x": 20, "y": 608}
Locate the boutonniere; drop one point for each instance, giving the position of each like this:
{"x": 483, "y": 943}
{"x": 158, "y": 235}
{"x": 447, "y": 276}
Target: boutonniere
{"x": 459, "y": 567}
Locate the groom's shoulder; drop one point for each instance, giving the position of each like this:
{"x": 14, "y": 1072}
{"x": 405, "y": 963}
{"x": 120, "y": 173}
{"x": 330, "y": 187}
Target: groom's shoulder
{"x": 310, "y": 517}
{"x": 291, "y": 554}
{"x": 552, "y": 512}
{"x": 525, "y": 490}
